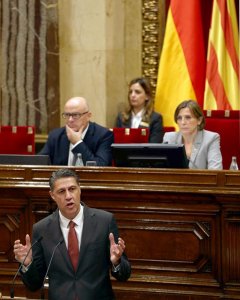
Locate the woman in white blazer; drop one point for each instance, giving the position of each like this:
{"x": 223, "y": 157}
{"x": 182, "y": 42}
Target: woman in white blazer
{"x": 202, "y": 146}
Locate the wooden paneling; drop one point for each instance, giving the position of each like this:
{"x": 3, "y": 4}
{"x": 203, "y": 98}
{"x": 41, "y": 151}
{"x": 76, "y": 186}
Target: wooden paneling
{"x": 181, "y": 227}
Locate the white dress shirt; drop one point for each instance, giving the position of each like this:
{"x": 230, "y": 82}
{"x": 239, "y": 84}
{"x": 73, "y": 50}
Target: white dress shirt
{"x": 136, "y": 119}
{"x": 78, "y": 220}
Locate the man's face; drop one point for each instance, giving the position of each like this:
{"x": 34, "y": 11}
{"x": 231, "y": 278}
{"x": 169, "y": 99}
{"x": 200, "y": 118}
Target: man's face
{"x": 77, "y": 115}
{"x": 66, "y": 193}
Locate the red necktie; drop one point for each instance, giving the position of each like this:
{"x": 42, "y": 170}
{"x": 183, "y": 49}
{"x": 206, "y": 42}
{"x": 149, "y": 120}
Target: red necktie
{"x": 73, "y": 245}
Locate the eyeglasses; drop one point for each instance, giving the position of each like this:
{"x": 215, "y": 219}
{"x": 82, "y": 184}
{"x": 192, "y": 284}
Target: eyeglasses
{"x": 75, "y": 116}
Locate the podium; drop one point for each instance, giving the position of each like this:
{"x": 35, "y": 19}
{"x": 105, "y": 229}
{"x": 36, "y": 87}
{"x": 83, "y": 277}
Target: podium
{"x": 16, "y": 298}
{"x": 193, "y": 211}
{"x": 2, "y": 297}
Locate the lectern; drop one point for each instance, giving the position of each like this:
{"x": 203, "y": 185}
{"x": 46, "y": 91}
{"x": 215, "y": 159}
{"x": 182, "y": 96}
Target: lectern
{"x": 16, "y": 298}
{"x": 2, "y": 297}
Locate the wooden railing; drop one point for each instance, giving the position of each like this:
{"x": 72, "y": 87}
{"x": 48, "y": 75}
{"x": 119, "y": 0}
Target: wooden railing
{"x": 181, "y": 227}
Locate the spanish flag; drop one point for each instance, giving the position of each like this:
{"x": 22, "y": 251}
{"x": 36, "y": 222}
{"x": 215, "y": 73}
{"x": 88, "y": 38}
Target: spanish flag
{"x": 222, "y": 79}
{"x": 182, "y": 66}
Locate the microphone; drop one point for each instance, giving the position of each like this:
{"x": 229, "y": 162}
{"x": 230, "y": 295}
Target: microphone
{"x": 21, "y": 265}
{"x": 50, "y": 262}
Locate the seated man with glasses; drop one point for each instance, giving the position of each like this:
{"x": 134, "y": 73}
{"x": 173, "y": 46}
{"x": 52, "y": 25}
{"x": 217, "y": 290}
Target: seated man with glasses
{"x": 79, "y": 135}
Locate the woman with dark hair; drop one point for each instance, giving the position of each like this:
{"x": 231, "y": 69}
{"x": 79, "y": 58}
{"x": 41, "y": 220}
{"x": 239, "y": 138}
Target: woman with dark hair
{"x": 202, "y": 146}
{"x": 139, "y": 112}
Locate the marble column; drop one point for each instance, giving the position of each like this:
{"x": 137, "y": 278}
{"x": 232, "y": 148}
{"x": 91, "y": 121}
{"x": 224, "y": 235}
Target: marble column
{"x": 100, "y": 51}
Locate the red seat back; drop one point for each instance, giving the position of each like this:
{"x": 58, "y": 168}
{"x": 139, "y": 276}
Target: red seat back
{"x": 169, "y": 128}
{"x": 17, "y": 140}
{"x": 130, "y": 135}
{"x": 227, "y": 124}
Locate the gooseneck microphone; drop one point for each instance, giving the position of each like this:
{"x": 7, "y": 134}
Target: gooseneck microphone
{"x": 21, "y": 265}
{"x": 50, "y": 262}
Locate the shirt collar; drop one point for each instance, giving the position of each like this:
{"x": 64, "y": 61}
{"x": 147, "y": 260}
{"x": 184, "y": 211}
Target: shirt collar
{"x": 139, "y": 114}
{"x": 85, "y": 131}
{"x": 77, "y": 220}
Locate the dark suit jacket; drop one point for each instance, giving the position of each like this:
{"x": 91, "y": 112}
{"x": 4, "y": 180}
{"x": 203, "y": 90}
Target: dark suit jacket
{"x": 155, "y": 127}
{"x": 96, "y": 146}
{"x": 91, "y": 281}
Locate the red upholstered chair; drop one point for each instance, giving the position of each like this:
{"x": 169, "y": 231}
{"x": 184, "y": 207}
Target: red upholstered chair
{"x": 130, "y": 135}
{"x": 227, "y": 124}
{"x": 168, "y": 128}
{"x": 17, "y": 140}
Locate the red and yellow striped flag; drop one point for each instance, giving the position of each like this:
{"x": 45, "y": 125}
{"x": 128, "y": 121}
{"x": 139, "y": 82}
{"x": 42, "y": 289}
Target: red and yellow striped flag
{"x": 222, "y": 78}
{"x": 182, "y": 67}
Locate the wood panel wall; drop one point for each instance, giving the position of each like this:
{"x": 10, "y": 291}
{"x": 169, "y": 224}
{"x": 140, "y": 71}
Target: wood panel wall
{"x": 181, "y": 227}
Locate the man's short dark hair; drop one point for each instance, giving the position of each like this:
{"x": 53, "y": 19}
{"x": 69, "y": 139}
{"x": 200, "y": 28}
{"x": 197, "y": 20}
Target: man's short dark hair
{"x": 62, "y": 173}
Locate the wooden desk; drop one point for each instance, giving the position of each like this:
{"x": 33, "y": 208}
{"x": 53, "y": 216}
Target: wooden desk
{"x": 16, "y": 298}
{"x": 181, "y": 227}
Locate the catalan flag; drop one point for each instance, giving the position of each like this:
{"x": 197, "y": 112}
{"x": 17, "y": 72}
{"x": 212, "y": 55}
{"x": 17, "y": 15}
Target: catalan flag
{"x": 182, "y": 66}
{"x": 222, "y": 78}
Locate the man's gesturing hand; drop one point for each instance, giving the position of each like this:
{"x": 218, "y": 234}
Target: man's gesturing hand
{"x": 116, "y": 250}
{"x": 20, "y": 251}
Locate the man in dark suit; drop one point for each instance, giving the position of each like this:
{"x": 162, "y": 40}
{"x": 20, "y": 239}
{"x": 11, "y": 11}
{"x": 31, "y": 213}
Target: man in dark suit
{"x": 79, "y": 136}
{"x": 100, "y": 247}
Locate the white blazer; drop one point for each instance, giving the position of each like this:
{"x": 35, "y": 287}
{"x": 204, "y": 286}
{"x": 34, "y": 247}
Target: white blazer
{"x": 206, "y": 152}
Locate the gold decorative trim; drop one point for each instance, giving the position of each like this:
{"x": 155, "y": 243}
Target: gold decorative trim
{"x": 153, "y": 17}
{"x": 41, "y": 138}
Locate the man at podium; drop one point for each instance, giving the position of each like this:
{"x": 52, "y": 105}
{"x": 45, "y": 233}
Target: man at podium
{"x": 76, "y": 247}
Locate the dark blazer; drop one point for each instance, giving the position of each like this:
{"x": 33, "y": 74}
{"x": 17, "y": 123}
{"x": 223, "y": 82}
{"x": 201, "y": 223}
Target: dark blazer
{"x": 155, "y": 126}
{"x": 91, "y": 281}
{"x": 206, "y": 152}
{"x": 96, "y": 146}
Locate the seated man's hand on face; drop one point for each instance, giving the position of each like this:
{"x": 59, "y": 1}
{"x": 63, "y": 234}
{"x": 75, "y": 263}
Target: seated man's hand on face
{"x": 74, "y": 136}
